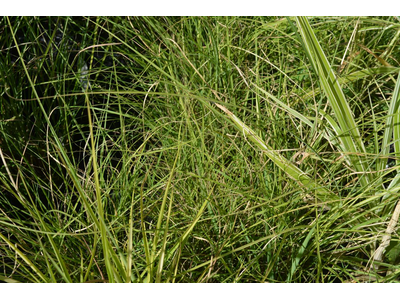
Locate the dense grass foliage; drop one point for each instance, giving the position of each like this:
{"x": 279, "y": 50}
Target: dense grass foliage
{"x": 199, "y": 149}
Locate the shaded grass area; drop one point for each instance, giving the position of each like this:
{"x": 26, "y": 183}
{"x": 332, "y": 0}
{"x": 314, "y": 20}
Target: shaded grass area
{"x": 198, "y": 149}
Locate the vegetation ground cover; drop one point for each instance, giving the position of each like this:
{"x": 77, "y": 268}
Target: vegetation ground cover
{"x": 199, "y": 149}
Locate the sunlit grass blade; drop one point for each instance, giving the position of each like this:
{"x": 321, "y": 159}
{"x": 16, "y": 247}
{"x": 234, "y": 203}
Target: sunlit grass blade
{"x": 351, "y": 138}
{"x": 25, "y": 258}
{"x": 396, "y": 119}
{"x": 391, "y": 128}
{"x": 392, "y": 125}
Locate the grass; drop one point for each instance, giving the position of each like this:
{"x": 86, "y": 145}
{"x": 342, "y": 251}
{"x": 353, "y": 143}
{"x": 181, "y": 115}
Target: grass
{"x": 199, "y": 149}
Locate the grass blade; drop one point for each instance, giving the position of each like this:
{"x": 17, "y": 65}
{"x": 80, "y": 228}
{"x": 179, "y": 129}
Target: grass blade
{"x": 25, "y": 258}
{"x": 351, "y": 138}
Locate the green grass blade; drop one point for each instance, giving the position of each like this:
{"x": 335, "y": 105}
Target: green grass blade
{"x": 351, "y": 138}
{"x": 25, "y": 258}
{"x": 160, "y": 218}
{"x": 296, "y": 260}
{"x": 396, "y": 119}
{"x": 391, "y": 127}
{"x": 392, "y": 124}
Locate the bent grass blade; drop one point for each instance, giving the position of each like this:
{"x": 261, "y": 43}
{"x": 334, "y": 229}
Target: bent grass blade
{"x": 289, "y": 168}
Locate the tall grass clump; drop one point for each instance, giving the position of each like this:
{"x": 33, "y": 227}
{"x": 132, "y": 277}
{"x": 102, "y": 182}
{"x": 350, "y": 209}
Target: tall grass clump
{"x": 199, "y": 149}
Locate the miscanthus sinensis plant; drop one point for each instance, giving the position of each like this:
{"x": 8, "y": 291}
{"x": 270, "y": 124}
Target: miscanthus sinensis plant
{"x": 199, "y": 149}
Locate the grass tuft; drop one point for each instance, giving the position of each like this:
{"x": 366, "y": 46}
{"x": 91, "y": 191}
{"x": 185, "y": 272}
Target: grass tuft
{"x": 199, "y": 149}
